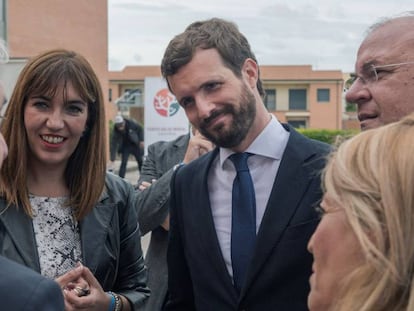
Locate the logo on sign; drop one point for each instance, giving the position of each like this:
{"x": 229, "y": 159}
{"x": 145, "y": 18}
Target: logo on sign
{"x": 165, "y": 103}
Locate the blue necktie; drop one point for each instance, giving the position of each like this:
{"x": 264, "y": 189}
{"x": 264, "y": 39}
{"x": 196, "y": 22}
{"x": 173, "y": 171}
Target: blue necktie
{"x": 243, "y": 227}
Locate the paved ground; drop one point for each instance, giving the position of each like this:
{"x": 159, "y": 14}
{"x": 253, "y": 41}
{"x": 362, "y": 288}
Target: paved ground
{"x": 132, "y": 173}
{"x": 132, "y": 176}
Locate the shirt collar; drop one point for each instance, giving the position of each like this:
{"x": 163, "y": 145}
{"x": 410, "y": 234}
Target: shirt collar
{"x": 274, "y": 132}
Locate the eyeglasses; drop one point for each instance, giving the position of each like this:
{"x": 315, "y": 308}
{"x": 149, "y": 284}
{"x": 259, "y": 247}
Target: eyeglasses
{"x": 370, "y": 74}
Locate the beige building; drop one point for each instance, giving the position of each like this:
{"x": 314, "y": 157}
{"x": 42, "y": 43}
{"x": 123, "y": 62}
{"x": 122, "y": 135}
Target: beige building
{"x": 30, "y": 27}
{"x": 298, "y": 95}
{"x": 126, "y": 89}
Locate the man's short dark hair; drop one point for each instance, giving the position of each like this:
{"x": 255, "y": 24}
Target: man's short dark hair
{"x": 215, "y": 33}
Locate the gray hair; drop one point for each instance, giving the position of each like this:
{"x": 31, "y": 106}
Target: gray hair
{"x": 387, "y": 19}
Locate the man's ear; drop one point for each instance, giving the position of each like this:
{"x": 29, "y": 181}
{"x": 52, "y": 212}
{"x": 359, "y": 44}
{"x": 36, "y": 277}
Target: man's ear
{"x": 250, "y": 72}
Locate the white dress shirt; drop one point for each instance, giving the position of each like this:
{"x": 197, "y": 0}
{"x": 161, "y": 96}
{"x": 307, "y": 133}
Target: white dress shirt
{"x": 268, "y": 149}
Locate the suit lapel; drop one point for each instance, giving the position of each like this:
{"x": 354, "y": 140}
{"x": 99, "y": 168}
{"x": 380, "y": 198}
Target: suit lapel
{"x": 290, "y": 184}
{"x": 94, "y": 232}
{"x": 180, "y": 149}
{"x": 172, "y": 153}
{"x": 207, "y": 232}
{"x": 20, "y": 228}
{"x": 182, "y": 142}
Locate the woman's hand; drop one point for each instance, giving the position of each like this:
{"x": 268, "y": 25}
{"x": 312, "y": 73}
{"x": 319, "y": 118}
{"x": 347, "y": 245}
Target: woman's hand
{"x": 82, "y": 291}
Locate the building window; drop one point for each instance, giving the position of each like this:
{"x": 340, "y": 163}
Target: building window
{"x": 270, "y": 99}
{"x": 299, "y": 124}
{"x": 297, "y": 99}
{"x": 110, "y": 95}
{"x": 324, "y": 95}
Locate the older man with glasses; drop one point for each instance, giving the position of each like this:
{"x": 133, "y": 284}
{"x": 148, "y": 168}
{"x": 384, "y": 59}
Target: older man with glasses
{"x": 383, "y": 85}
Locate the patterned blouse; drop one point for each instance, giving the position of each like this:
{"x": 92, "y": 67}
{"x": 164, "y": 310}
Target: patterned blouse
{"x": 57, "y": 235}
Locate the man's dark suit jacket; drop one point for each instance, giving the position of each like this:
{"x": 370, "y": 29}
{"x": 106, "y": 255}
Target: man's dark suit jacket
{"x": 278, "y": 276}
{"x": 26, "y": 290}
{"x": 162, "y": 157}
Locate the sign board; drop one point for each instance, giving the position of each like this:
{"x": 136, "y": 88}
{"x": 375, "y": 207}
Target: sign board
{"x": 164, "y": 118}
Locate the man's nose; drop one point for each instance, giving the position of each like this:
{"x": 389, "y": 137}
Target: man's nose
{"x": 204, "y": 107}
{"x": 357, "y": 93}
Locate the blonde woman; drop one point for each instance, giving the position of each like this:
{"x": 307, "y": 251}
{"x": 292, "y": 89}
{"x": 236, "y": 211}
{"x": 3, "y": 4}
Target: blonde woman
{"x": 363, "y": 247}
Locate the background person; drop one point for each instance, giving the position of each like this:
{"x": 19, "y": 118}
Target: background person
{"x": 127, "y": 138}
{"x": 58, "y": 206}
{"x": 153, "y": 214}
{"x": 362, "y": 248}
{"x": 214, "y": 75}
{"x": 383, "y": 85}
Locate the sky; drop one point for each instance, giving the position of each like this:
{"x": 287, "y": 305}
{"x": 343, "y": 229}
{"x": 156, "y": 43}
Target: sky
{"x": 322, "y": 33}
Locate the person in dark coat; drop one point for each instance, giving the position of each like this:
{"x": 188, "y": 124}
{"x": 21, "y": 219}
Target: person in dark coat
{"x": 153, "y": 214}
{"x": 127, "y": 138}
{"x": 25, "y": 289}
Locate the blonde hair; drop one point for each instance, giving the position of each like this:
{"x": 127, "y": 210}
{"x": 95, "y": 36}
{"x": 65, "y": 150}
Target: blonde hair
{"x": 372, "y": 174}
{"x": 85, "y": 172}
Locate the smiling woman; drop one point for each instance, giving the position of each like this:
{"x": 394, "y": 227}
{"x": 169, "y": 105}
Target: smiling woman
{"x": 56, "y": 194}
{"x": 362, "y": 248}
{"x": 54, "y": 126}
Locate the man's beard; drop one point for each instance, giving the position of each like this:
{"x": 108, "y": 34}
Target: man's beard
{"x": 242, "y": 121}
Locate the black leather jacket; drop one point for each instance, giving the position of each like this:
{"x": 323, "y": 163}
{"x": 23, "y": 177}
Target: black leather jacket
{"x": 110, "y": 240}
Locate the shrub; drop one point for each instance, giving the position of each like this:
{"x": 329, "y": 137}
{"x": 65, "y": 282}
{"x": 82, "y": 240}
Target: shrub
{"x": 328, "y": 136}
